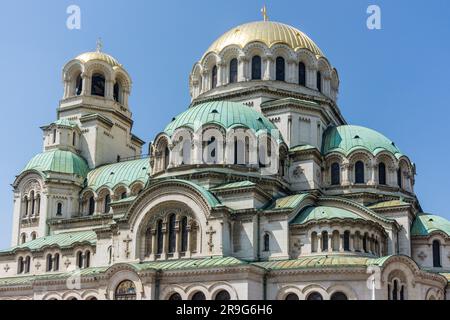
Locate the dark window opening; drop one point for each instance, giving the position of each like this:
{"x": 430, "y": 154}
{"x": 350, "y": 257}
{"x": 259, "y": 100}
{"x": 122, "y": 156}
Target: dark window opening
{"x": 256, "y": 68}
{"x": 280, "y": 67}
{"x": 98, "y": 85}
{"x": 301, "y": 74}
{"x": 233, "y": 70}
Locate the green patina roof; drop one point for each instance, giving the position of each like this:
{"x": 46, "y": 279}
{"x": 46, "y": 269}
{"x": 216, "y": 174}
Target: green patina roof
{"x": 212, "y": 200}
{"x": 212, "y": 262}
{"x": 302, "y": 148}
{"x": 289, "y": 202}
{"x": 223, "y": 113}
{"x": 323, "y": 213}
{"x": 125, "y": 172}
{"x": 347, "y": 138}
{"x": 387, "y": 204}
{"x": 329, "y": 261}
{"x": 234, "y": 185}
{"x": 424, "y": 224}
{"x": 58, "y": 161}
{"x": 62, "y": 240}
{"x": 66, "y": 123}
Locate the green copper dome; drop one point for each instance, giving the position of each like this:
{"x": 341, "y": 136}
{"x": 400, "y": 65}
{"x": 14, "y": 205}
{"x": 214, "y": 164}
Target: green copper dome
{"x": 346, "y": 139}
{"x": 424, "y": 224}
{"x": 58, "y": 161}
{"x": 226, "y": 114}
{"x": 323, "y": 213}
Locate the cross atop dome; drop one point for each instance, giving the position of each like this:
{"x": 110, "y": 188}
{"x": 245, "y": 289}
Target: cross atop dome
{"x": 264, "y": 13}
{"x": 99, "y": 45}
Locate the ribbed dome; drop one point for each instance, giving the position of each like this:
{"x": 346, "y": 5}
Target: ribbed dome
{"x": 267, "y": 32}
{"x": 58, "y": 161}
{"x": 346, "y": 139}
{"x": 223, "y": 113}
{"x": 98, "y": 55}
{"x": 425, "y": 224}
{"x": 323, "y": 213}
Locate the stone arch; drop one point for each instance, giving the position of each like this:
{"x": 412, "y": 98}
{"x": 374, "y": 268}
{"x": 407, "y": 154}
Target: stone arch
{"x": 307, "y": 290}
{"x": 122, "y": 272}
{"x": 181, "y": 152}
{"x": 347, "y": 290}
{"x": 219, "y": 286}
{"x": 89, "y": 294}
{"x": 194, "y": 288}
{"x": 71, "y": 295}
{"x": 51, "y": 296}
{"x": 289, "y": 289}
{"x": 172, "y": 289}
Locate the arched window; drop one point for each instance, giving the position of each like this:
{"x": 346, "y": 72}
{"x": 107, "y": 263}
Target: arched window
{"x": 199, "y": 296}
{"x": 59, "y": 208}
{"x": 175, "y": 297}
{"x": 301, "y": 74}
{"x": 166, "y": 157}
{"x": 26, "y": 206}
{"x": 399, "y": 178}
{"x": 49, "y": 262}
{"x": 126, "y": 290}
{"x": 324, "y": 241}
{"x": 335, "y": 174}
{"x": 33, "y": 203}
{"x": 27, "y": 264}
{"x": 233, "y": 70}
{"x": 436, "y": 254}
{"x": 314, "y": 296}
{"x": 38, "y": 204}
{"x": 98, "y": 85}
{"x": 107, "y": 207}
{"x": 214, "y": 77}
{"x": 33, "y": 236}
{"x": 184, "y": 234}
{"x": 279, "y": 67}
{"x": 314, "y": 242}
{"x": 394, "y": 292}
{"x": 338, "y": 296}
{"x": 365, "y": 243}
{"x": 91, "y": 204}
{"x": 87, "y": 256}
{"x": 54, "y": 135}
{"x": 319, "y": 81}
{"x": 80, "y": 259}
{"x": 74, "y": 138}
{"x": 20, "y": 265}
{"x": 359, "y": 172}
{"x": 266, "y": 242}
{"x": 347, "y": 241}
{"x": 223, "y": 295}
{"x": 160, "y": 237}
{"x": 291, "y": 296}
{"x": 172, "y": 235}
{"x": 56, "y": 262}
{"x": 256, "y": 68}
{"x": 116, "y": 93}
{"x": 23, "y": 238}
{"x": 123, "y": 195}
{"x": 79, "y": 85}
{"x": 382, "y": 173}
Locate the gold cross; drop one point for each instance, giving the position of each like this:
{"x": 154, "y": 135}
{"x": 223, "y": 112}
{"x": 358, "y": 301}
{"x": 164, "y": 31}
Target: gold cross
{"x": 99, "y": 45}
{"x": 264, "y": 13}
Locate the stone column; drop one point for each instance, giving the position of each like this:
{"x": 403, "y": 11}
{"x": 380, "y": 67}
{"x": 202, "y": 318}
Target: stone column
{"x": 291, "y": 63}
{"x": 352, "y": 243}
{"x": 176, "y": 254}
{"x": 154, "y": 247}
{"x": 341, "y": 242}
{"x": 268, "y": 68}
{"x": 372, "y": 170}
{"x": 242, "y": 70}
{"x": 345, "y": 167}
{"x": 221, "y": 69}
{"x": 86, "y": 87}
{"x": 189, "y": 249}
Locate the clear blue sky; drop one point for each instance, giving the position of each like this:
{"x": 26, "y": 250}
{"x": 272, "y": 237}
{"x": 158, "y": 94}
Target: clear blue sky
{"x": 395, "y": 80}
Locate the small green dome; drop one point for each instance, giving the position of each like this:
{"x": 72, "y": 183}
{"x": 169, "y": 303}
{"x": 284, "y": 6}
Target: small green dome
{"x": 323, "y": 213}
{"x": 226, "y": 114}
{"x": 59, "y": 161}
{"x": 424, "y": 224}
{"x": 346, "y": 139}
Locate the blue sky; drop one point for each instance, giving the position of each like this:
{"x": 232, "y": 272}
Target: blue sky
{"x": 394, "y": 80}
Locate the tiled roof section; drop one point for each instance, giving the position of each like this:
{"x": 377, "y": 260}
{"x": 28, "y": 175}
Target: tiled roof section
{"x": 314, "y": 262}
{"x": 424, "y": 224}
{"x": 65, "y": 123}
{"x": 302, "y": 148}
{"x": 62, "y": 240}
{"x": 388, "y": 204}
{"x": 58, "y": 161}
{"x": 289, "y": 202}
{"x": 234, "y": 185}
{"x": 347, "y": 138}
{"x": 125, "y": 173}
{"x": 213, "y": 262}
{"x": 226, "y": 114}
{"x": 323, "y": 213}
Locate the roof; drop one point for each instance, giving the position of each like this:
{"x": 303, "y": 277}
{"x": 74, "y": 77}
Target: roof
{"x": 323, "y": 213}
{"x": 234, "y": 185}
{"x": 62, "y": 240}
{"x": 59, "y": 161}
{"x": 126, "y": 172}
{"x": 302, "y": 148}
{"x": 327, "y": 261}
{"x": 226, "y": 114}
{"x": 212, "y": 262}
{"x": 347, "y": 138}
{"x": 288, "y": 202}
{"x": 425, "y": 224}
{"x": 388, "y": 204}
{"x": 65, "y": 123}
{"x": 267, "y": 32}
{"x": 101, "y": 56}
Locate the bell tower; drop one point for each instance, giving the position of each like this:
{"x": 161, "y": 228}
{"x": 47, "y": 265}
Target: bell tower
{"x": 96, "y": 91}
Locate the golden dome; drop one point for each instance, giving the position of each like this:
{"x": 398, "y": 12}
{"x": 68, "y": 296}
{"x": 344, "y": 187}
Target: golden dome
{"x": 98, "y": 55}
{"x": 267, "y": 32}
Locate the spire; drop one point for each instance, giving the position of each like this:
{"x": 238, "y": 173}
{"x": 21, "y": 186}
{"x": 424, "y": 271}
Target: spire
{"x": 99, "y": 45}
{"x": 264, "y": 13}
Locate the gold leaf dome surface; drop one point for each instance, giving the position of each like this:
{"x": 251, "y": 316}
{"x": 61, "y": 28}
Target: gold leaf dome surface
{"x": 101, "y": 56}
{"x": 267, "y": 32}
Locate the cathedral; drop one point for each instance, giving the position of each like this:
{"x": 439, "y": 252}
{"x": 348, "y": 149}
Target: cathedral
{"x": 258, "y": 190}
